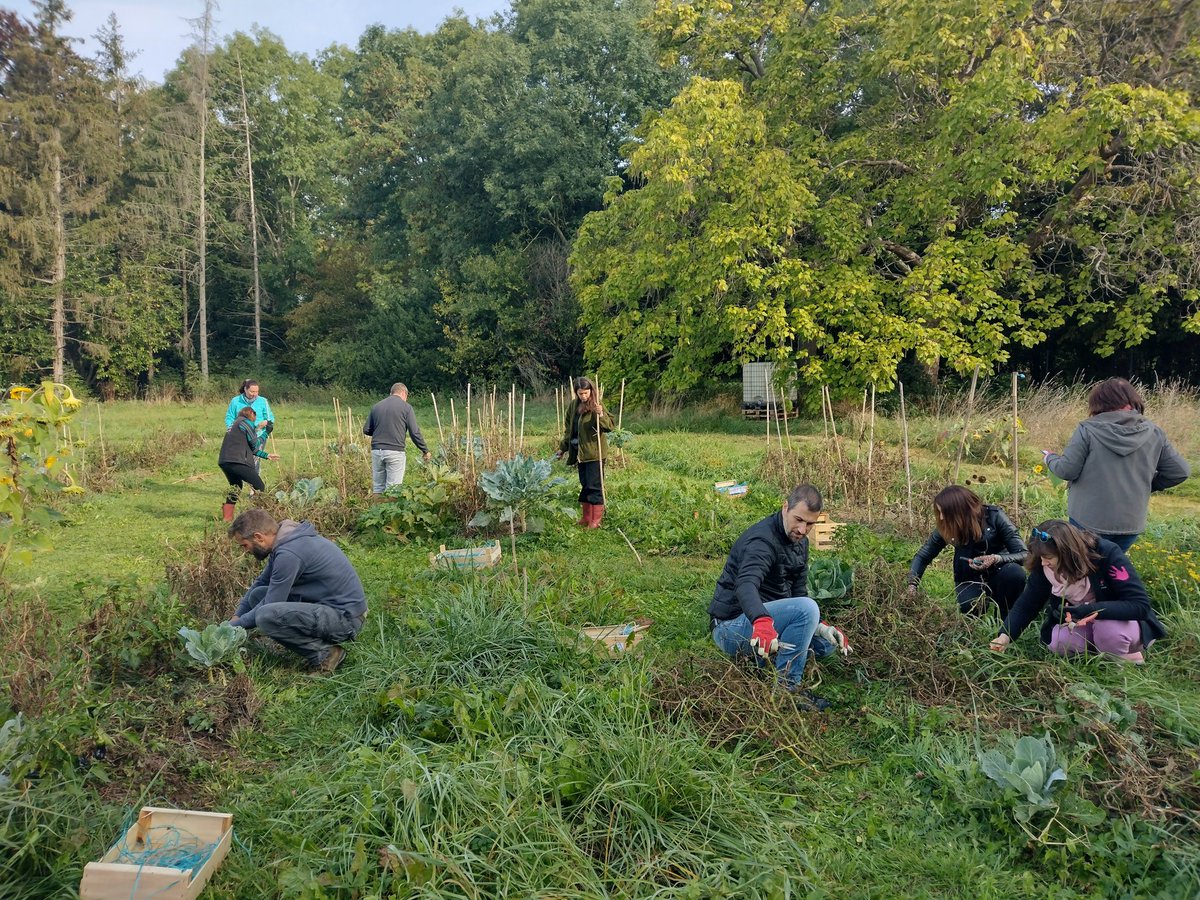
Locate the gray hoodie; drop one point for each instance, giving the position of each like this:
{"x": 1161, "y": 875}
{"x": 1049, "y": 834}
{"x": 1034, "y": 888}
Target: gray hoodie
{"x": 1113, "y": 462}
{"x": 305, "y": 568}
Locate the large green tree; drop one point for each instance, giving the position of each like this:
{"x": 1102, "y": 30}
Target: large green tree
{"x": 845, "y": 184}
{"x": 56, "y": 171}
{"x": 477, "y": 151}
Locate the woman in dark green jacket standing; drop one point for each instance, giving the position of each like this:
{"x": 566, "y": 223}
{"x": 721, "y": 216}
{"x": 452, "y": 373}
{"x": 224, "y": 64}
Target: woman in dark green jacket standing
{"x": 585, "y": 446}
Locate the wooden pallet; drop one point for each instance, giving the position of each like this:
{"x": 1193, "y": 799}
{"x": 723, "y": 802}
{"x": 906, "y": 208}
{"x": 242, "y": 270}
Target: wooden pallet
{"x": 772, "y": 413}
{"x": 617, "y": 638}
{"x": 160, "y": 830}
{"x": 467, "y": 558}
{"x": 820, "y": 535}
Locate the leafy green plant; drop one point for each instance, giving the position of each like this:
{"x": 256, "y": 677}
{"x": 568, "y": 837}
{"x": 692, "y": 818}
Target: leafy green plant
{"x": 620, "y": 438}
{"x": 416, "y": 508}
{"x": 829, "y": 578}
{"x": 1033, "y": 772}
{"x": 520, "y": 490}
{"x": 32, "y": 465}
{"x": 1099, "y": 705}
{"x": 12, "y": 734}
{"x": 215, "y": 645}
{"x": 307, "y": 492}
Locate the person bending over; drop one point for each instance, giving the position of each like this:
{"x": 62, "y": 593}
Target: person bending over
{"x": 1093, "y": 597}
{"x": 988, "y": 552}
{"x": 308, "y": 597}
{"x": 241, "y": 449}
{"x": 760, "y": 607}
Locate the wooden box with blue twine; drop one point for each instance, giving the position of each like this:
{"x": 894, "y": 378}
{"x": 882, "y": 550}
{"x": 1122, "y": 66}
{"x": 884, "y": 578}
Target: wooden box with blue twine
{"x": 167, "y": 853}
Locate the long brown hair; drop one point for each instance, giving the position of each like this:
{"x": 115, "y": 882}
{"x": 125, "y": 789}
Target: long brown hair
{"x": 1075, "y": 550}
{"x": 592, "y": 403}
{"x": 1114, "y": 394}
{"x": 959, "y": 515}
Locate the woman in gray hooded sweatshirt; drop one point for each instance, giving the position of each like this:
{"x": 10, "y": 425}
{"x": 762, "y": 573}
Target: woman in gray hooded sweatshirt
{"x": 1115, "y": 459}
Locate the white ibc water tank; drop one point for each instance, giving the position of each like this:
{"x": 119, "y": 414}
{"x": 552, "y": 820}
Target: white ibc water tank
{"x": 757, "y": 379}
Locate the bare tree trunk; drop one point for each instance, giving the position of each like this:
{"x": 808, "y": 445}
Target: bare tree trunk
{"x": 58, "y": 314}
{"x": 253, "y": 215}
{"x": 205, "y": 25}
{"x": 185, "y": 343}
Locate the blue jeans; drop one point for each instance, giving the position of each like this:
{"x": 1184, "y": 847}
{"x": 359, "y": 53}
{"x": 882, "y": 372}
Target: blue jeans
{"x": 795, "y": 618}
{"x": 1124, "y": 541}
{"x": 387, "y": 469}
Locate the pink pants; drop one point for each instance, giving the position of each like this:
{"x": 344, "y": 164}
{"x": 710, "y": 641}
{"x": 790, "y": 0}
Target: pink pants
{"x": 1118, "y": 637}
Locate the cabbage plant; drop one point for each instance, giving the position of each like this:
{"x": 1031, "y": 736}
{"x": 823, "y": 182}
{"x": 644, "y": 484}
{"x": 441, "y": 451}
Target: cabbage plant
{"x": 215, "y": 645}
{"x": 1033, "y": 772}
{"x": 519, "y": 490}
{"x": 829, "y": 578}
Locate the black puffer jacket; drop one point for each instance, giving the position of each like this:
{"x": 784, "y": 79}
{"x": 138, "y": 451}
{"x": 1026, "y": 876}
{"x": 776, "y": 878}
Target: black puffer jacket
{"x": 1119, "y": 594}
{"x": 241, "y": 444}
{"x": 764, "y": 564}
{"x": 999, "y": 537}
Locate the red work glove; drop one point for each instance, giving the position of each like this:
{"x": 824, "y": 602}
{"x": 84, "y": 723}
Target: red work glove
{"x": 764, "y": 640}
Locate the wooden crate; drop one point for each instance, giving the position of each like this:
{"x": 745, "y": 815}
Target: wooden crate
{"x": 731, "y": 488}
{"x": 160, "y": 830}
{"x": 617, "y": 638}
{"x": 467, "y": 558}
{"x": 820, "y": 535}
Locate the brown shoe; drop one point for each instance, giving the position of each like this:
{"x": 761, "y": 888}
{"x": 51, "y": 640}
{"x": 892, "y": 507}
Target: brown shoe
{"x": 333, "y": 659}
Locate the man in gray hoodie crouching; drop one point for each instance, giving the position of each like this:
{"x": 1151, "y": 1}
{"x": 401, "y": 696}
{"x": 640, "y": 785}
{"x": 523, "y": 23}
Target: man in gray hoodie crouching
{"x": 308, "y": 598}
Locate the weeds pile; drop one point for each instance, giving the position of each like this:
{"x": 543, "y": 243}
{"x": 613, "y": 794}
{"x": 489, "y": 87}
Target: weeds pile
{"x": 210, "y": 577}
{"x": 330, "y": 516}
{"x": 727, "y": 702}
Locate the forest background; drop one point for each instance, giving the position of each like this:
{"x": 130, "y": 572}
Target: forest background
{"x": 658, "y": 191}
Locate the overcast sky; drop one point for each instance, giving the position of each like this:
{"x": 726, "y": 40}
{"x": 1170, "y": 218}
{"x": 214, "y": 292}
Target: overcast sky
{"x": 158, "y": 29}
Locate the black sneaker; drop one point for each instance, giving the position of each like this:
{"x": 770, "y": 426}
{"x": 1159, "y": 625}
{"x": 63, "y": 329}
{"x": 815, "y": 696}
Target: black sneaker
{"x": 807, "y": 701}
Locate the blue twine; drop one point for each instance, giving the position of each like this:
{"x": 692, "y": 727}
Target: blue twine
{"x": 174, "y": 851}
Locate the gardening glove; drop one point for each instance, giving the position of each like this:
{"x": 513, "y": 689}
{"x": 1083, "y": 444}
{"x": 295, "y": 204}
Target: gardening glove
{"x": 269, "y": 427}
{"x": 764, "y": 638}
{"x": 834, "y": 636}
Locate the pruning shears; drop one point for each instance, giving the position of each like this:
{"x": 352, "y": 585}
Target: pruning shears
{"x": 775, "y": 647}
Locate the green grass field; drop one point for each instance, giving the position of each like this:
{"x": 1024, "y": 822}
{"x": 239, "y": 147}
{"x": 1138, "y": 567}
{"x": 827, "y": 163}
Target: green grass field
{"x": 472, "y": 746}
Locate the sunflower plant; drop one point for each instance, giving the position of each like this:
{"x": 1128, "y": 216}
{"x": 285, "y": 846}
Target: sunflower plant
{"x": 34, "y": 454}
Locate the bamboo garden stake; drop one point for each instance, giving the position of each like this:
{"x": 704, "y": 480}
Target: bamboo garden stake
{"x": 1016, "y": 464}
{"x": 907, "y": 463}
{"x": 962, "y": 442}
{"x": 438, "y": 416}
{"x": 870, "y": 458}
{"x": 779, "y": 413}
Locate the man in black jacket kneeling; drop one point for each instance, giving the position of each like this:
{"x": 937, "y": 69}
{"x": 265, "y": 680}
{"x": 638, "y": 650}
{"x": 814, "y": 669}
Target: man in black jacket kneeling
{"x": 761, "y": 608}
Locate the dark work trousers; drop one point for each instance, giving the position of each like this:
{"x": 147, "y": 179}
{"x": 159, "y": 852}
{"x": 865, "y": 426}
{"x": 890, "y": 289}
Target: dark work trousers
{"x": 589, "y": 483}
{"x": 308, "y": 629}
{"x": 236, "y": 473}
{"x": 1001, "y": 584}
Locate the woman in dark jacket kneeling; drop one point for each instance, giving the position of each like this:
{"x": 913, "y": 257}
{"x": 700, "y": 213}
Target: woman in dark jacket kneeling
{"x": 1093, "y": 597}
{"x": 988, "y": 552}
